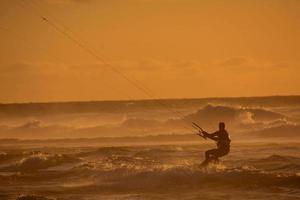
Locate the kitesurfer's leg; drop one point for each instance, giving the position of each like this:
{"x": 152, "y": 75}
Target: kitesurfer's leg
{"x": 211, "y": 153}
{"x": 209, "y": 156}
{"x": 222, "y": 152}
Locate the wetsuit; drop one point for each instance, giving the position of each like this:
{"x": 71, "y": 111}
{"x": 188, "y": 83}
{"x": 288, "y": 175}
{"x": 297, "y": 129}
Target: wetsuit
{"x": 223, "y": 145}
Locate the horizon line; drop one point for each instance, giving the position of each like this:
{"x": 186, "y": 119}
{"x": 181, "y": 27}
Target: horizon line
{"x": 126, "y": 100}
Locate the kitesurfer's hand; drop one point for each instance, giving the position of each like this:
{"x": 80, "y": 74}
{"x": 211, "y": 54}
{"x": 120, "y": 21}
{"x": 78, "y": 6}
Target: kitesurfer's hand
{"x": 204, "y": 133}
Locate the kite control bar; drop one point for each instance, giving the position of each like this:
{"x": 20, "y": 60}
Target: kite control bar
{"x": 199, "y": 129}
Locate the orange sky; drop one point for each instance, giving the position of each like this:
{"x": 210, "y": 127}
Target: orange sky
{"x": 175, "y": 48}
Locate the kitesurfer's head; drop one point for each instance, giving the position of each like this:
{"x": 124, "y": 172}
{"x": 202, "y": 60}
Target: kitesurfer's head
{"x": 221, "y": 126}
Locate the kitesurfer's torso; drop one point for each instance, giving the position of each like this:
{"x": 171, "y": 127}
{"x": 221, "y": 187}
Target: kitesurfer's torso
{"x": 222, "y": 139}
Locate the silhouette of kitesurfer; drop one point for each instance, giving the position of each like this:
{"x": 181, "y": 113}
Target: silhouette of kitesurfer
{"x": 223, "y": 145}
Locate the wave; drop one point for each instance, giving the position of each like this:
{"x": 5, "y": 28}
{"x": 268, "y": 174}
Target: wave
{"x": 55, "y": 108}
{"x": 283, "y": 131}
{"x": 8, "y": 157}
{"x": 32, "y": 197}
{"x": 38, "y": 161}
{"x": 115, "y": 168}
{"x": 138, "y": 123}
{"x": 280, "y": 158}
{"x": 237, "y": 118}
{"x": 191, "y": 177}
{"x": 185, "y": 179}
{"x": 210, "y": 115}
{"x": 279, "y": 163}
{"x": 35, "y": 129}
{"x": 154, "y": 152}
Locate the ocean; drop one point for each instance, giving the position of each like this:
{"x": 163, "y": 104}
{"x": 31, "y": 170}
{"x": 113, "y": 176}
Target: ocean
{"x": 250, "y": 171}
{"x": 136, "y": 150}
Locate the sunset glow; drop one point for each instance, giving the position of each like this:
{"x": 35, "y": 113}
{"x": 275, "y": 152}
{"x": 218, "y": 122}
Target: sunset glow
{"x": 174, "y": 48}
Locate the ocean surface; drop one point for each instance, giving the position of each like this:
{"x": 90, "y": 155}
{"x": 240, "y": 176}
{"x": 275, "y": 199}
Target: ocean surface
{"x": 252, "y": 170}
{"x": 127, "y": 150}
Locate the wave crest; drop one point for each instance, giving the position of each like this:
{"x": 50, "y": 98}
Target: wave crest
{"x": 38, "y": 160}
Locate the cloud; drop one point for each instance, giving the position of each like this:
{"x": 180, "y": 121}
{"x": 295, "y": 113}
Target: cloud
{"x": 40, "y": 81}
{"x": 145, "y": 65}
{"x": 25, "y": 67}
{"x": 246, "y": 63}
{"x": 234, "y": 61}
{"x": 16, "y": 67}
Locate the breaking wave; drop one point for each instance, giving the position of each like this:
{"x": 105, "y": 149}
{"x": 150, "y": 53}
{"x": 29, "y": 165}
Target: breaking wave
{"x": 121, "y": 168}
{"x": 38, "y": 161}
{"x": 192, "y": 177}
{"x": 210, "y": 115}
{"x": 159, "y": 168}
{"x": 238, "y": 118}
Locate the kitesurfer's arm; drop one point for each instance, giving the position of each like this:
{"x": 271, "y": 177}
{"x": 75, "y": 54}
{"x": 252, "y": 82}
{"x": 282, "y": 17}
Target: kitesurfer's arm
{"x": 213, "y": 136}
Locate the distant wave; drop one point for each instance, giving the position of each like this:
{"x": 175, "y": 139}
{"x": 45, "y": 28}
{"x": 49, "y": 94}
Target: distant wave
{"x": 210, "y": 115}
{"x": 56, "y": 108}
{"x": 237, "y": 119}
{"x": 284, "y": 131}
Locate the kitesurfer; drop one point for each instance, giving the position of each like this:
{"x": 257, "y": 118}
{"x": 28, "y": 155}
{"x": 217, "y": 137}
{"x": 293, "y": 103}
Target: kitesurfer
{"x": 223, "y": 144}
